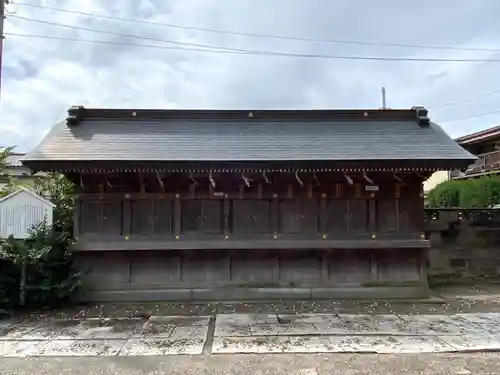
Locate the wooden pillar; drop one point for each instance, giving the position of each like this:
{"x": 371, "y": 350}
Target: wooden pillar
{"x": 323, "y": 215}
{"x": 177, "y": 215}
{"x": 76, "y": 217}
{"x": 372, "y": 212}
{"x": 127, "y": 217}
{"x": 226, "y": 211}
{"x": 275, "y": 212}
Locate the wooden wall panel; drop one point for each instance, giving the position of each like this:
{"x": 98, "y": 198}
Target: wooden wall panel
{"x": 163, "y": 217}
{"x": 386, "y": 207}
{"x": 91, "y": 217}
{"x": 338, "y": 216}
{"x": 141, "y": 217}
{"x": 112, "y": 218}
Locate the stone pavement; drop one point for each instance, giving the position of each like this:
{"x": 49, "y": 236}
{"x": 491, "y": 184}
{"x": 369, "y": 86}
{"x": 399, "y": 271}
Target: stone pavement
{"x": 252, "y": 333}
{"x": 159, "y": 335}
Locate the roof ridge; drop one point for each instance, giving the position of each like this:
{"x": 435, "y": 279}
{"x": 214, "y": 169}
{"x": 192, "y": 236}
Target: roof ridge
{"x": 76, "y": 114}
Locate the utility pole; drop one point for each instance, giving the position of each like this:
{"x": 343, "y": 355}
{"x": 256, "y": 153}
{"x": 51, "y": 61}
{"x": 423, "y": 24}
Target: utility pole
{"x": 383, "y": 99}
{"x": 2, "y": 18}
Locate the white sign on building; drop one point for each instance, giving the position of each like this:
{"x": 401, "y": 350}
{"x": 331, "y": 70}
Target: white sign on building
{"x": 22, "y": 210}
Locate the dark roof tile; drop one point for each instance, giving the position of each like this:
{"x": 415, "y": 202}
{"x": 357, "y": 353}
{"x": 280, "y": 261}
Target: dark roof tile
{"x": 180, "y": 138}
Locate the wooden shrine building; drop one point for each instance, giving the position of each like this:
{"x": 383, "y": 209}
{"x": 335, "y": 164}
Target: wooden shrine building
{"x": 242, "y": 204}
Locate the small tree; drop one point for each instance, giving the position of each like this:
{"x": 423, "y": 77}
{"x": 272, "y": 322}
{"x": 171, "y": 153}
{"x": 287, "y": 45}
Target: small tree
{"x": 23, "y": 254}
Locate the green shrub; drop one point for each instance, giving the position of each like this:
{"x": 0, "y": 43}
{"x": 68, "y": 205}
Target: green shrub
{"x": 473, "y": 193}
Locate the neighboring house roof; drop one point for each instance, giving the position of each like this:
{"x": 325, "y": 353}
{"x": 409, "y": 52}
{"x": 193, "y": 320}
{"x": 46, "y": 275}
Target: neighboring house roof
{"x": 246, "y": 135}
{"x": 28, "y": 191}
{"x": 483, "y": 135}
{"x": 16, "y": 167}
{"x": 14, "y": 160}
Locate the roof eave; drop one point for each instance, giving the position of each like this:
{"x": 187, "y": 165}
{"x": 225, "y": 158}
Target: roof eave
{"x": 483, "y": 135}
{"x": 89, "y": 166}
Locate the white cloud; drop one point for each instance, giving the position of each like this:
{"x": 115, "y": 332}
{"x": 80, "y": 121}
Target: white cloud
{"x": 43, "y": 78}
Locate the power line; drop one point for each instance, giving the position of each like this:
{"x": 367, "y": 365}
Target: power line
{"x": 467, "y": 100}
{"x": 244, "y": 52}
{"x": 257, "y": 35}
{"x": 219, "y": 49}
{"x": 472, "y": 116}
{"x": 73, "y": 27}
{"x": 121, "y": 43}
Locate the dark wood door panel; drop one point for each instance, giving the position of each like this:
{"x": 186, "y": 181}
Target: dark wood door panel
{"x": 141, "y": 216}
{"x": 261, "y": 220}
{"x": 163, "y": 217}
{"x": 360, "y": 220}
{"x": 242, "y": 217}
{"x": 289, "y": 222}
{"x": 387, "y": 215}
{"x": 338, "y": 216}
{"x": 308, "y": 215}
{"x": 212, "y": 216}
{"x": 112, "y": 218}
{"x": 192, "y": 213}
{"x": 90, "y": 217}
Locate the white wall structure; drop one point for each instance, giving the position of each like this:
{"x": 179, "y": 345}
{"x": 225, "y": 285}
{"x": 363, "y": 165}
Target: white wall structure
{"x": 436, "y": 179}
{"x": 21, "y": 210}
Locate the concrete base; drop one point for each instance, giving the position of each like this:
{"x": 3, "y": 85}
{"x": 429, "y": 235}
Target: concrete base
{"x": 252, "y": 294}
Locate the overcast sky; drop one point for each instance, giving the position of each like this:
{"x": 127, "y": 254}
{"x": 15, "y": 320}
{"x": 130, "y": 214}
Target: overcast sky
{"x": 43, "y": 78}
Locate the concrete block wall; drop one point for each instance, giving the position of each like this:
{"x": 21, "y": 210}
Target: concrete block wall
{"x": 465, "y": 243}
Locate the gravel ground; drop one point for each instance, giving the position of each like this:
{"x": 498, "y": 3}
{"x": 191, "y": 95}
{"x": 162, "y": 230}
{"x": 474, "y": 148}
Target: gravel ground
{"x": 452, "y": 300}
{"x": 277, "y": 364}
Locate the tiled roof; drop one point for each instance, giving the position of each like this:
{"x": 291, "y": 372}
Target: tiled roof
{"x": 181, "y": 135}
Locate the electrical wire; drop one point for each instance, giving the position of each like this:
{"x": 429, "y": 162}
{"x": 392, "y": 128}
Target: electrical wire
{"x": 219, "y": 49}
{"x": 467, "y": 100}
{"x": 255, "y": 35}
{"x": 471, "y": 116}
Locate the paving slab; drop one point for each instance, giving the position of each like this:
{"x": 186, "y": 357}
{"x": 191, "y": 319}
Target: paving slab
{"x": 475, "y": 342}
{"x": 193, "y": 333}
{"x": 21, "y": 330}
{"x": 438, "y": 324}
{"x": 152, "y": 329}
{"x": 106, "y": 329}
{"x": 5, "y": 324}
{"x": 331, "y": 344}
{"x": 81, "y": 348}
{"x": 231, "y": 330}
{"x": 162, "y": 346}
{"x": 486, "y": 323}
{"x": 180, "y": 321}
{"x": 284, "y": 329}
{"x": 390, "y": 325}
{"x": 24, "y": 348}
{"x": 69, "y": 329}
{"x": 308, "y": 318}
{"x": 242, "y": 319}
{"x": 357, "y": 323}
